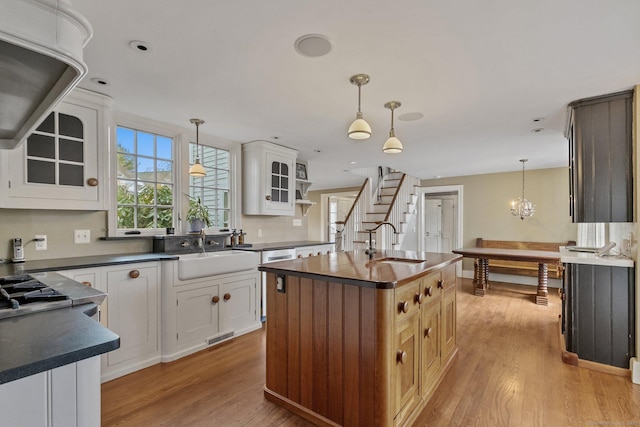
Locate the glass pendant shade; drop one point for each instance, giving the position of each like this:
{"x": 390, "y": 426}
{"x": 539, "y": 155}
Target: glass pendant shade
{"x": 359, "y": 129}
{"x": 522, "y": 207}
{"x": 197, "y": 169}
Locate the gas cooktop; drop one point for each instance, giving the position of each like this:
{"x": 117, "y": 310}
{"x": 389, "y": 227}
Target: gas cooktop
{"x": 23, "y": 294}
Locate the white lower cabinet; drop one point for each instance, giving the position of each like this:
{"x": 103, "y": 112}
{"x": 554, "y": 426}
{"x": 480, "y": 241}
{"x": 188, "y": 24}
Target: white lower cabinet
{"x": 198, "y": 313}
{"x": 64, "y": 396}
{"x": 131, "y": 310}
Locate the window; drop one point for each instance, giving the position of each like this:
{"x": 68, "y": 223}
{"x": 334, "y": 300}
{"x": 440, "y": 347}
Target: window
{"x": 214, "y": 188}
{"x": 145, "y": 180}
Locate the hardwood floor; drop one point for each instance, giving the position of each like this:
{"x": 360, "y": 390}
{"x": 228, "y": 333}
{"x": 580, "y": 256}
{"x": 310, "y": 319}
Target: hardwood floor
{"x": 508, "y": 373}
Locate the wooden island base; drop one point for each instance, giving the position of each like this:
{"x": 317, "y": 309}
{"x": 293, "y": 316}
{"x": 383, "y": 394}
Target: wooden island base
{"x": 348, "y": 354}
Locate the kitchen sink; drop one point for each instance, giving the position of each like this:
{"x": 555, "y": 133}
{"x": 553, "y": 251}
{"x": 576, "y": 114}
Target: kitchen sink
{"x": 395, "y": 260}
{"x": 196, "y": 265}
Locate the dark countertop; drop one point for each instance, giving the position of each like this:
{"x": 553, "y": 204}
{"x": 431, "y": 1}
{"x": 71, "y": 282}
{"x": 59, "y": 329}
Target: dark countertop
{"x": 355, "y": 268}
{"x": 257, "y": 247}
{"x": 45, "y": 340}
{"x": 10, "y": 269}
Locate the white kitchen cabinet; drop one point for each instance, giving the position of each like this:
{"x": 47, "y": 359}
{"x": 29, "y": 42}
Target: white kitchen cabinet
{"x": 134, "y": 314}
{"x": 57, "y": 166}
{"x": 269, "y": 179}
{"x": 64, "y": 396}
{"x": 198, "y": 313}
{"x": 90, "y": 277}
{"x": 306, "y": 251}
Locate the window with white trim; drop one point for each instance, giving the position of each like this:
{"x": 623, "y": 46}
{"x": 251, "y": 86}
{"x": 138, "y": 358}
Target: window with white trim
{"x": 214, "y": 189}
{"x": 145, "y": 181}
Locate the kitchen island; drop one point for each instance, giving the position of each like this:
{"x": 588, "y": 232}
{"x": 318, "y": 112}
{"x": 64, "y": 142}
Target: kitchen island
{"x": 358, "y": 341}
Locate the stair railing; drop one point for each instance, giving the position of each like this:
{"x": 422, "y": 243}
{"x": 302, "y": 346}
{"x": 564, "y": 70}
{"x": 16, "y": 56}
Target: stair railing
{"x": 353, "y": 220}
{"x": 397, "y": 213}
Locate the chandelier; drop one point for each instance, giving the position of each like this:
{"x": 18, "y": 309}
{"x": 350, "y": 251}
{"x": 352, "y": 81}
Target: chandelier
{"x": 522, "y": 207}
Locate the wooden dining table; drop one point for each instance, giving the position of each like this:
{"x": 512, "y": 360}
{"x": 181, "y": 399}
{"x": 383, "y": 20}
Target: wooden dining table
{"x": 483, "y": 255}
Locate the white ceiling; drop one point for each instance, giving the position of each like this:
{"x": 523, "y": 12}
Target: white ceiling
{"x": 479, "y": 71}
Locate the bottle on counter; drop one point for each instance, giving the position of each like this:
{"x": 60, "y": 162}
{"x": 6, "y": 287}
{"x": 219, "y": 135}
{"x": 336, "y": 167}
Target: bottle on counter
{"x": 233, "y": 238}
{"x": 241, "y": 237}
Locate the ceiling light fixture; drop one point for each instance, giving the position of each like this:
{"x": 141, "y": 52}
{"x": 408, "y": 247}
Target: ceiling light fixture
{"x": 393, "y": 144}
{"x": 197, "y": 169}
{"x": 359, "y": 129}
{"x": 522, "y": 207}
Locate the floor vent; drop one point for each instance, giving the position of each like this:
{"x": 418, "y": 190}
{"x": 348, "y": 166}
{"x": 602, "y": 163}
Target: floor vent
{"x": 220, "y": 338}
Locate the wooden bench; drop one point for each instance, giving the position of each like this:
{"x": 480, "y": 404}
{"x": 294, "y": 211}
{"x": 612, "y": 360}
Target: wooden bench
{"x": 522, "y": 268}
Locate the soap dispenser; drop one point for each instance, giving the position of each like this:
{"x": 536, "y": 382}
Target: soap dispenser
{"x": 241, "y": 237}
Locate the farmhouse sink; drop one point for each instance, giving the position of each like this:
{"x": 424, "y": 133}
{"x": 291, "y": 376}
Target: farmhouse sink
{"x": 196, "y": 265}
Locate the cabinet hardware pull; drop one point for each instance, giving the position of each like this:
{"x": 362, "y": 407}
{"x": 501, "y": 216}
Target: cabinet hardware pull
{"x": 427, "y": 332}
{"x": 402, "y": 356}
{"x": 300, "y": 256}
{"x": 403, "y": 306}
{"x": 428, "y": 291}
{"x": 419, "y": 298}
{"x": 215, "y": 299}
{"x": 87, "y": 284}
{"x": 92, "y": 182}
{"x": 319, "y": 253}
{"x": 268, "y": 197}
{"x": 134, "y": 274}
{"x": 227, "y": 297}
{"x": 440, "y": 284}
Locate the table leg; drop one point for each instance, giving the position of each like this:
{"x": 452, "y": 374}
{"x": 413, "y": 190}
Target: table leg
{"x": 482, "y": 269}
{"x": 543, "y": 293}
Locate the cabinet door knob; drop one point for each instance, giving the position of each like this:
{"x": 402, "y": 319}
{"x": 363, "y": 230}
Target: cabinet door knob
{"x": 319, "y": 253}
{"x": 215, "y": 299}
{"x": 401, "y": 356}
{"x": 440, "y": 284}
{"x": 300, "y": 256}
{"x": 403, "y": 306}
{"x": 87, "y": 284}
{"x": 134, "y": 274}
{"x": 427, "y": 332}
{"x": 227, "y": 297}
{"x": 428, "y": 291}
{"x": 419, "y": 298}
{"x": 268, "y": 197}
{"x": 92, "y": 182}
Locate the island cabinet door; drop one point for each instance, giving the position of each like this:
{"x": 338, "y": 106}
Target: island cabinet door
{"x": 448, "y": 323}
{"x": 431, "y": 345}
{"x": 407, "y": 367}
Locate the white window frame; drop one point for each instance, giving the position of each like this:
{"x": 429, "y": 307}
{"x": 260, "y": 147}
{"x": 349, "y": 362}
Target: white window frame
{"x": 180, "y": 170}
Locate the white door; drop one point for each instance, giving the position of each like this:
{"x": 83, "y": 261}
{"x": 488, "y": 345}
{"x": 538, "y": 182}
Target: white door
{"x": 433, "y": 225}
{"x": 448, "y": 226}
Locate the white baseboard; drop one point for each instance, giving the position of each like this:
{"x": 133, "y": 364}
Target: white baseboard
{"x": 511, "y": 278}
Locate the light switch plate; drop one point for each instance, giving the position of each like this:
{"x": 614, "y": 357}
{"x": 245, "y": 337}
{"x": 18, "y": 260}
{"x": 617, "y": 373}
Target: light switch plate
{"x": 81, "y": 236}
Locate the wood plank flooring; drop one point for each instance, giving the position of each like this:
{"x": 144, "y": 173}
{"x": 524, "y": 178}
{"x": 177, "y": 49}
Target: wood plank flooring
{"x": 508, "y": 373}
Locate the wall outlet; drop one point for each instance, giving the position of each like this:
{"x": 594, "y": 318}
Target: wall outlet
{"x": 297, "y": 222}
{"x": 41, "y": 242}
{"x": 259, "y": 232}
{"x": 81, "y": 236}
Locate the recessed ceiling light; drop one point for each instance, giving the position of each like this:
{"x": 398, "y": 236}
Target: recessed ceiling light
{"x": 275, "y": 137}
{"x": 317, "y": 151}
{"x": 409, "y": 117}
{"x": 100, "y": 81}
{"x": 352, "y": 162}
{"x": 536, "y": 130}
{"x": 140, "y": 46}
{"x": 538, "y": 119}
{"x": 313, "y": 45}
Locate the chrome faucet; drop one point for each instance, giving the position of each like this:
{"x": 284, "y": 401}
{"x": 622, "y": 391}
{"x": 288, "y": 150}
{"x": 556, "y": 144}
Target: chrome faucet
{"x": 200, "y": 241}
{"x": 371, "y": 249}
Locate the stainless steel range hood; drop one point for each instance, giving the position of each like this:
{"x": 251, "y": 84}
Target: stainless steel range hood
{"x": 41, "y": 44}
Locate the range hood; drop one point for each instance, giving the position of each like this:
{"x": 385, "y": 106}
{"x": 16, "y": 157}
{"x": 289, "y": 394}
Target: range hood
{"x": 41, "y": 44}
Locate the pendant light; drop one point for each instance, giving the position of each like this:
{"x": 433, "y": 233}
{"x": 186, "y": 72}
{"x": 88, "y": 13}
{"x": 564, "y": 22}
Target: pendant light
{"x": 522, "y": 208}
{"x": 359, "y": 129}
{"x": 393, "y": 144}
{"x": 197, "y": 169}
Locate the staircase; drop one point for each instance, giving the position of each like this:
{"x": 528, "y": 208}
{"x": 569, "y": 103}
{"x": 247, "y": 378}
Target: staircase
{"x": 392, "y": 200}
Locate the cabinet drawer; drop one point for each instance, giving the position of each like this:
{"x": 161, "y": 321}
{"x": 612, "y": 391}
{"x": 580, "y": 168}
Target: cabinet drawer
{"x": 430, "y": 287}
{"x": 448, "y": 277}
{"x": 407, "y": 297}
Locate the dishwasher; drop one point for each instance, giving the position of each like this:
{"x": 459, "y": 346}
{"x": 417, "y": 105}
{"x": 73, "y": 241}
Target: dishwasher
{"x": 267, "y": 257}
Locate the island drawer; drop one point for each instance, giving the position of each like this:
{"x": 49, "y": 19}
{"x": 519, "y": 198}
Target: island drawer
{"x": 408, "y": 299}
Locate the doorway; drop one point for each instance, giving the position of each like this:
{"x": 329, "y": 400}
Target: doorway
{"x": 440, "y": 219}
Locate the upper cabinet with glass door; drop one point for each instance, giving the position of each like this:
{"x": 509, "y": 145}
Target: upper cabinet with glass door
{"x": 57, "y": 166}
{"x": 269, "y": 179}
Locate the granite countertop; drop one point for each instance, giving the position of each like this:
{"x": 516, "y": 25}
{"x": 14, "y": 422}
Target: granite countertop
{"x": 9, "y": 269}
{"x": 571, "y": 257}
{"x": 355, "y": 268}
{"x": 43, "y": 340}
{"x": 257, "y": 247}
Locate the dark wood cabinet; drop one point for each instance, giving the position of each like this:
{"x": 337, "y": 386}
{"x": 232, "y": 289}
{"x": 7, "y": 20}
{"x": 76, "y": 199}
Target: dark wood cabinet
{"x": 598, "y": 313}
{"x": 600, "y": 158}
